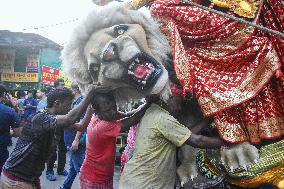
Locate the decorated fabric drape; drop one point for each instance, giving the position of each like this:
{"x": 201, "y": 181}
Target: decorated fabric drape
{"x": 230, "y": 66}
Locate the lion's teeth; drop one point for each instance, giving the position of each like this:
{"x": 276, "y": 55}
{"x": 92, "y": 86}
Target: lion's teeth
{"x": 147, "y": 76}
{"x": 137, "y": 60}
{"x": 131, "y": 66}
{"x": 130, "y": 72}
{"x": 143, "y": 82}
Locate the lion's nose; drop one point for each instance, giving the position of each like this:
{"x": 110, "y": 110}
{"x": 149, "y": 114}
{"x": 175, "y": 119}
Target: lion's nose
{"x": 109, "y": 53}
{"x": 127, "y": 48}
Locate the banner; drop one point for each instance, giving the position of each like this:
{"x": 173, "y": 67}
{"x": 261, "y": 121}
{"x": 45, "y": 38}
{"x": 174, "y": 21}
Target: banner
{"x": 49, "y": 75}
{"x": 66, "y": 79}
{"x": 32, "y": 63}
{"x": 19, "y": 77}
{"x": 7, "y": 59}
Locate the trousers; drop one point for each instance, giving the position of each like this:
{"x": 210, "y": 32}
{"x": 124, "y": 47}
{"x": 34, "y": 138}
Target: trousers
{"x": 59, "y": 146}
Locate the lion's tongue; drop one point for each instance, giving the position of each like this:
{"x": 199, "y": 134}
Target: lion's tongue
{"x": 141, "y": 71}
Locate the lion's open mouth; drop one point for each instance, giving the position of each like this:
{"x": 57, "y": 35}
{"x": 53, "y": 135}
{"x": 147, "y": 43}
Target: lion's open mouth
{"x": 143, "y": 71}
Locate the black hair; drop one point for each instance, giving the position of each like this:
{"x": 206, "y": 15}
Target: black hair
{"x": 3, "y": 90}
{"x": 46, "y": 90}
{"x": 56, "y": 83}
{"x": 75, "y": 86}
{"x": 21, "y": 94}
{"x": 58, "y": 94}
{"x": 95, "y": 100}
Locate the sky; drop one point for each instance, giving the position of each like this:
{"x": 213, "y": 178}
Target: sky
{"x": 25, "y": 15}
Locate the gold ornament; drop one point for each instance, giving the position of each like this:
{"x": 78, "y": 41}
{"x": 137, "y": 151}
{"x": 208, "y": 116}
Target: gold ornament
{"x": 245, "y": 8}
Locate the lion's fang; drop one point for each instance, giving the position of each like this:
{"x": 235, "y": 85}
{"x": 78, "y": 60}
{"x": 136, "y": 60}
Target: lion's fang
{"x": 130, "y": 72}
{"x": 131, "y": 66}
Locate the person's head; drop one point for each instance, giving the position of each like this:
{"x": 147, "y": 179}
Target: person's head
{"x": 59, "y": 101}
{"x": 3, "y": 92}
{"x": 30, "y": 94}
{"x": 175, "y": 102}
{"x": 42, "y": 93}
{"x": 105, "y": 106}
{"x": 59, "y": 84}
{"x": 21, "y": 94}
{"x": 75, "y": 88}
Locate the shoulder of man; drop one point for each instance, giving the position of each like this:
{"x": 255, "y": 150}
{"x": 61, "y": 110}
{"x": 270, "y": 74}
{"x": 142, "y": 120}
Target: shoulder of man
{"x": 8, "y": 109}
{"x": 40, "y": 117}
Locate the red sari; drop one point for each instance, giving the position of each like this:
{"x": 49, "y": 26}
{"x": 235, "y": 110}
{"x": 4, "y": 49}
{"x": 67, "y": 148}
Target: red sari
{"x": 231, "y": 67}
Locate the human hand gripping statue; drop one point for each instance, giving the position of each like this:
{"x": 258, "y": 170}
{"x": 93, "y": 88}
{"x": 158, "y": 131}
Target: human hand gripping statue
{"x": 69, "y": 119}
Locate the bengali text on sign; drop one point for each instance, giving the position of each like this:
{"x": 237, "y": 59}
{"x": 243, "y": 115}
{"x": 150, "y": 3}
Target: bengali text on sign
{"x": 19, "y": 77}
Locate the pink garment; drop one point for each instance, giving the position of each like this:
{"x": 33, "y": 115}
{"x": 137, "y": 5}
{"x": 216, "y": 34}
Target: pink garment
{"x": 130, "y": 147}
{"x": 85, "y": 184}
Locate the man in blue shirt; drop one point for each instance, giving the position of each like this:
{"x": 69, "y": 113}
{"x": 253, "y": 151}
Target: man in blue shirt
{"x": 42, "y": 95}
{"x": 29, "y": 106}
{"x": 75, "y": 142}
{"x": 9, "y": 119}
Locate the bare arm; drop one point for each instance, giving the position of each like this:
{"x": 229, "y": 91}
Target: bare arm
{"x": 70, "y": 118}
{"x": 130, "y": 113}
{"x": 140, "y": 111}
{"x": 78, "y": 136}
{"x": 83, "y": 124}
{"x": 200, "y": 141}
{"x": 135, "y": 118}
{"x": 201, "y": 124}
{"x": 75, "y": 143}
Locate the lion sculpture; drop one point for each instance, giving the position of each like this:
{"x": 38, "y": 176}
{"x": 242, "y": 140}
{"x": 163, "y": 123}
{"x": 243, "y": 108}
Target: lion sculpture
{"x": 126, "y": 50}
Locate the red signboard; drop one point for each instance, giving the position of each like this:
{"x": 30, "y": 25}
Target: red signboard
{"x": 49, "y": 75}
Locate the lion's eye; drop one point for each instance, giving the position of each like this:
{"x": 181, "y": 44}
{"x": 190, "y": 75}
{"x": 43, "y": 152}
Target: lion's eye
{"x": 120, "y": 29}
{"x": 120, "y": 32}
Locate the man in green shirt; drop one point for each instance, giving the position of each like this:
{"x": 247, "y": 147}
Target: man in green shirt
{"x": 153, "y": 165}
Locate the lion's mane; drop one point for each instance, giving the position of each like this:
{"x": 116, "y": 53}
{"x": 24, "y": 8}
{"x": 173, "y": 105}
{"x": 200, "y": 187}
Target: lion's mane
{"x": 74, "y": 61}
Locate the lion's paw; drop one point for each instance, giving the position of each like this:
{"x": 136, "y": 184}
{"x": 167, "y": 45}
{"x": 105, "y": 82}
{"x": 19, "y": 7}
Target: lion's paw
{"x": 240, "y": 155}
{"x": 186, "y": 173}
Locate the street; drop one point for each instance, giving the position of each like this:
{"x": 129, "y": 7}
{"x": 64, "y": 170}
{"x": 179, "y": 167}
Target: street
{"x": 46, "y": 184}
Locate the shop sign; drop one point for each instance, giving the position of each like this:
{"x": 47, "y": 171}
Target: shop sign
{"x": 32, "y": 63}
{"x": 7, "y": 59}
{"x": 49, "y": 75}
{"x": 19, "y": 77}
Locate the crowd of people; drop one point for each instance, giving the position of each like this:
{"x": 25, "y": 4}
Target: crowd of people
{"x": 88, "y": 126}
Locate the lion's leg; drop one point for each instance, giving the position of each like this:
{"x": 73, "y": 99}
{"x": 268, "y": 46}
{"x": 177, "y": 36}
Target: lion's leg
{"x": 187, "y": 170}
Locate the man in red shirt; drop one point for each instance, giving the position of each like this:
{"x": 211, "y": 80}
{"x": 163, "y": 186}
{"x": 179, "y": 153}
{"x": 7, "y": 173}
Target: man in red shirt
{"x": 98, "y": 168}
